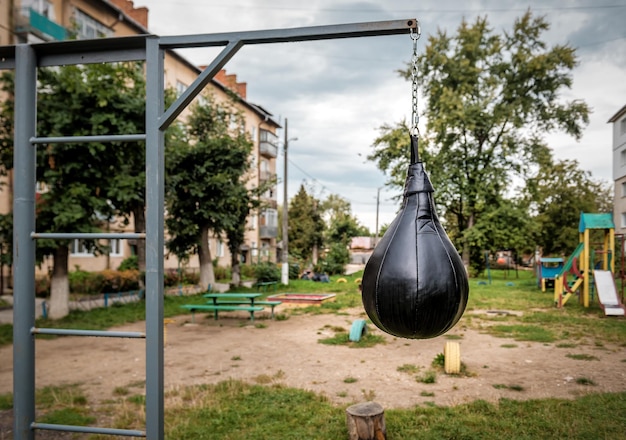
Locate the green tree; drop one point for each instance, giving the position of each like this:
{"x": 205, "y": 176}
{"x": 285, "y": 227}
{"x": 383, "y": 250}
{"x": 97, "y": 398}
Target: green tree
{"x": 95, "y": 99}
{"x": 205, "y": 182}
{"x": 306, "y": 227}
{"x": 490, "y": 100}
{"x": 556, "y": 195}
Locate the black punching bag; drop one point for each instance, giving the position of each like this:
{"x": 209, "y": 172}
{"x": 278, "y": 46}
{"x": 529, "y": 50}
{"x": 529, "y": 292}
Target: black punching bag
{"x": 414, "y": 284}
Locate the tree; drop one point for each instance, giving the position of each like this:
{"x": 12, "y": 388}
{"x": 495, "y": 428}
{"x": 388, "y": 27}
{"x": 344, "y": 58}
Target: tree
{"x": 79, "y": 177}
{"x": 204, "y": 182}
{"x": 306, "y": 226}
{"x": 556, "y": 195}
{"x": 490, "y": 100}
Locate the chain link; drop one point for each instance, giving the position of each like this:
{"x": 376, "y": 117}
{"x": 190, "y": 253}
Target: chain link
{"x": 415, "y": 35}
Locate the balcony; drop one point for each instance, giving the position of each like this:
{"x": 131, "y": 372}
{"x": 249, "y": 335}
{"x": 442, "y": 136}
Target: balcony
{"x": 268, "y": 231}
{"x": 264, "y": 176}
{"x": 268, "y": 144}
{"x": 29, "y": 21}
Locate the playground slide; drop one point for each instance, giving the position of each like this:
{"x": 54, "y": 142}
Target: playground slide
{"x": 607, "y": 293}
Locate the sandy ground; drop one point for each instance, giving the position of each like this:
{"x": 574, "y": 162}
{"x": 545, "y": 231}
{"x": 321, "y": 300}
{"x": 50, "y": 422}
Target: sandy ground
{"x": 288, "y": 352}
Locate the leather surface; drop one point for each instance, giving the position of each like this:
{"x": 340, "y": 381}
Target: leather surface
{"x": 415, "y": 285}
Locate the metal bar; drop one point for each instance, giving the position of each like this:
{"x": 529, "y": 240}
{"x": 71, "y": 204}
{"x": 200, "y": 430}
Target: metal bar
{"x": 112, "y": 56}
{"x": 96, "y": 333}
{"x": 155, "y": 171}
{"x": 369, "y": 29}
{"x": 199, "y": 83}
{"x": 87, "y": 235}
{"x": 88, "y": 429}
{"x": 24, "y": 164}
{"x": 80, "y": 139}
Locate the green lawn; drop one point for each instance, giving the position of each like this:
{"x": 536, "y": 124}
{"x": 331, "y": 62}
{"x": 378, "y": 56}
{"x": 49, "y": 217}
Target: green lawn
{"x": 235, "y": 410}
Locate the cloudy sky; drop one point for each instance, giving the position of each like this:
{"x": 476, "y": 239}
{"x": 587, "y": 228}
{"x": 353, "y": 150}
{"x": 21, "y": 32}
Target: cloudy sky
{"x": 337, "y": 93}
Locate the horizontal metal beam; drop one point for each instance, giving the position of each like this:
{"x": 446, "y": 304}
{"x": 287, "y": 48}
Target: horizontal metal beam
{"x": 77, "y": 332}
{"x": 82, "y": 139}
{"x": 367, "y": 29}
{"x": 88, "y": 235}
{"x": 88, "y": 429}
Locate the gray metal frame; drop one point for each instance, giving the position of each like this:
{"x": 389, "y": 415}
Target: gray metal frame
{"x": 25, "y": 59}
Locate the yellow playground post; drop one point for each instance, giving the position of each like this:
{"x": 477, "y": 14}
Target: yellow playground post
{"x": 579, "y": 265}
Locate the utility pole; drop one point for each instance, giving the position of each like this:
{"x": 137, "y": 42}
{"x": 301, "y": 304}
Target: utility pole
{"x": 377, "y": 205}
{"x": 284, "y": 278}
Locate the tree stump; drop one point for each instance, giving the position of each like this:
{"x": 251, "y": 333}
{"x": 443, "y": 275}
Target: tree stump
{"x": 366, "y": 421}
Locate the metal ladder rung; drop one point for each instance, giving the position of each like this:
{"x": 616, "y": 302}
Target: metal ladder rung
{"x": 88, "y": 235}
{"x": 78, "y": 332}
{"x": 88, "y": 429}
{"x": 82, "y": 139}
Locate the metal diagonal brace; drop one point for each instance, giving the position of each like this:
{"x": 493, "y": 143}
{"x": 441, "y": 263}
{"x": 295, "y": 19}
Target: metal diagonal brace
{"x": 236, "y": 40}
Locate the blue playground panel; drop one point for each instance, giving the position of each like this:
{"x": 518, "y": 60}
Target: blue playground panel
{"x": 549, "y": 268}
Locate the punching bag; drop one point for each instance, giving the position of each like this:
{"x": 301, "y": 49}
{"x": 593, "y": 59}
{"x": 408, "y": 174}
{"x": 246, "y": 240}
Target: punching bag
{"x": 415, "y": 285}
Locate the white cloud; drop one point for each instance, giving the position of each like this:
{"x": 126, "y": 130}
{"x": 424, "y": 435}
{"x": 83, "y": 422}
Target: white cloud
{"x": 336, "y": 93}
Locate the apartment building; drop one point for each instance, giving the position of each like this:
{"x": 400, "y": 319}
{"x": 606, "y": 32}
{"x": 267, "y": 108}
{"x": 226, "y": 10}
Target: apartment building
{"x": 619, "y": 170}
{"x": 32, "y": 21}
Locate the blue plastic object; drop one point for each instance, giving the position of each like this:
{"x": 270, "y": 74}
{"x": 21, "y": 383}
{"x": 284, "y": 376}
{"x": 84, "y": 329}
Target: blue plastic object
{"x": 358, "y": 330}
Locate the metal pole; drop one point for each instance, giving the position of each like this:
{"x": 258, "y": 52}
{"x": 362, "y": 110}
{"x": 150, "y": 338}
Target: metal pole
{"x": 155, "y": 188}
{"x": 25, "y": 162}
{"x": 285, "y": 267}
{"x": 377, "y": 205}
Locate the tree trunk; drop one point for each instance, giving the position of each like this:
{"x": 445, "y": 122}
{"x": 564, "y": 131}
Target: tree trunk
{"x": 235, "y": 269}
{"x": 207, "y": 275}
{"x": 466, "y": 249}
{"x": 366, "y": 421}
{"x": 59, "y": 285}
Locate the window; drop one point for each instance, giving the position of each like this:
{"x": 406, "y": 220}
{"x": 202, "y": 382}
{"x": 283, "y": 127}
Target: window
{"x": 180, "y": 88}
{"x": 622, "y": 127}
{"x": 43, "y": 7}
{"x": 80, "y": 249}
{"x": 623, "y": 189}
{"x": 116, "y": 248}
{"x": 269, "y": 217}
{"x": 253, "y": 132}
{"x": 623, "y": 219}
{"x": 622, "y": 157}
{"x": 253, "y": 249}
{"x": 220, "y": 248}
{"x": 88, "y": 27}
{"x": 253, "y": 222}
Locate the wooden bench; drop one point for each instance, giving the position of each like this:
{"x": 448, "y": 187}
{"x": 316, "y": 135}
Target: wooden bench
{"x": 223, "y": 307}
{"x": 266, "y": 285}
{"x": 272, "y": 304}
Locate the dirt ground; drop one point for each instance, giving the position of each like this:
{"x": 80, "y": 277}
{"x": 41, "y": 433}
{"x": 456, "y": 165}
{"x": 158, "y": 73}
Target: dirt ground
{"x": 288, "y": 352}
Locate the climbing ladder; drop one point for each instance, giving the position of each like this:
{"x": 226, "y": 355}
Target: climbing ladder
{"x": 25, "y": 59}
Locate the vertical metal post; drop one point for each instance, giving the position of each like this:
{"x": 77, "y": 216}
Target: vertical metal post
{"x": 155, "y": 184}
{"x": 24, "y": 161}
{"x": 377, "y": 209}
{"x": 285, "y": 258}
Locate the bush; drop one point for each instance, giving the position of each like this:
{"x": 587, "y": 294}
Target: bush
{"x": 247, "y": 271}
{"x": 129, "y": 263}
{"x": 222, "y": 273}
{"x": 265, "y": 272}
{"x": 106, "y": 281}
{"x": 335, "y": 260}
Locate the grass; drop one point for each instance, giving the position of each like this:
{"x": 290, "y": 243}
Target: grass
{"x": 235, "y": 410}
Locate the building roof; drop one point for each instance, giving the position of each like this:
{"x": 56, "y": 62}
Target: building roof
{"x": 618, "y": 115}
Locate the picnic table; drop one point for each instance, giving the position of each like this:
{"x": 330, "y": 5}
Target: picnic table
{"x": 243, "y": 299}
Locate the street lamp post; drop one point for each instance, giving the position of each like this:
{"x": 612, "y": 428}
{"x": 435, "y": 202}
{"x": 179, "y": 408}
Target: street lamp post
{"x": 284, "y": 278}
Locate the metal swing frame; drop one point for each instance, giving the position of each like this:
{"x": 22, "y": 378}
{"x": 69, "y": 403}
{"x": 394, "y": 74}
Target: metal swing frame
{"x": 25, "y": 59}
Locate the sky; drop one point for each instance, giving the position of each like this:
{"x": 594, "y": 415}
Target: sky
{"x": 336, "y": 94}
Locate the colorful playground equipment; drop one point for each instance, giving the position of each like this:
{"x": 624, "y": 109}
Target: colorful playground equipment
{"x": 577, "y": 273}
{"x": 549, "y": 268}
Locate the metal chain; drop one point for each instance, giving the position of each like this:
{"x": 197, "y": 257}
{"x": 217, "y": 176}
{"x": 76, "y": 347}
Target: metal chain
{"x": 415, "y": 35}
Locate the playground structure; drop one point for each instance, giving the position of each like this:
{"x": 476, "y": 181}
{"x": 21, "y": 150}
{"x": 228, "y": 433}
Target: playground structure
{"x": 585, "y": 264}
{"x": 25, "y": 59}
{"x": 549, "y": 268}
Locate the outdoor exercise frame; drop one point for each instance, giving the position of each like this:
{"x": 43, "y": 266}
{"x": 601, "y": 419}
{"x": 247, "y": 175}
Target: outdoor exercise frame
{"x": 25, "y": 59}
